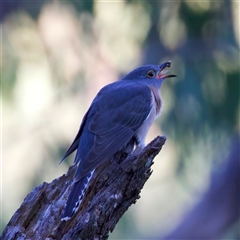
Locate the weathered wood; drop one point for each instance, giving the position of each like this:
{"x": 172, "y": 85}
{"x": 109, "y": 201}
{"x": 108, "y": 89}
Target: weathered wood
{"x": 115, "y": 187}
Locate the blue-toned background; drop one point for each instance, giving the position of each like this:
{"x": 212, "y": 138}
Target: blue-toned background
{"x": 55, "y": 57}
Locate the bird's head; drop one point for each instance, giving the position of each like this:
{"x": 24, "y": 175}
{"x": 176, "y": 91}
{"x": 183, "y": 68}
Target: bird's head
{"x": 150, "y": 74}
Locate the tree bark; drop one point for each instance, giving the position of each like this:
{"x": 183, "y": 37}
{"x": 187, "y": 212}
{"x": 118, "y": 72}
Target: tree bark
{"x": 115, "y": 187}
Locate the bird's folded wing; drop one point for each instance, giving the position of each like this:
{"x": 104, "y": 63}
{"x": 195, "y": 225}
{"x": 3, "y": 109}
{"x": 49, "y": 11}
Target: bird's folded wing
{"x": 75, "y": 142}
{"x": 118, "y": 115}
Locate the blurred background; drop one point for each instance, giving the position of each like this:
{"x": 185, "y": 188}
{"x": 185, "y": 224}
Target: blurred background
{"x": 56, "y": 55}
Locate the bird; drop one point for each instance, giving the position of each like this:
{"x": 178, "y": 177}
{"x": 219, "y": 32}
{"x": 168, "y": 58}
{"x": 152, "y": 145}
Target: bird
{"x": 118, "y": 118}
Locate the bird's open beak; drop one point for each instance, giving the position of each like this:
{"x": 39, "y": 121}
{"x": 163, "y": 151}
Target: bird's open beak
{"x": 163, "y": 70}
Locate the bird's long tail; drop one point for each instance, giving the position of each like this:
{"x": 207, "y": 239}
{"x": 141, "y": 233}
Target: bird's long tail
{"x": 76, "y": 196}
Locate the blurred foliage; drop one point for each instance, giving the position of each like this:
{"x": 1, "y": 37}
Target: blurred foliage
{"x": 56, "y": 55}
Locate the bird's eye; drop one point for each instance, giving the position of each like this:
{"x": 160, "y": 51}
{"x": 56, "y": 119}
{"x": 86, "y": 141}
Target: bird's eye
{"x": 151, "y": 74}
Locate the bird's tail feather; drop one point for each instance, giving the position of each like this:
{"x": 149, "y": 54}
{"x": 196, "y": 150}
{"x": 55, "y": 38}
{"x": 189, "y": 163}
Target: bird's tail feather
{"x": 76, "y": 196}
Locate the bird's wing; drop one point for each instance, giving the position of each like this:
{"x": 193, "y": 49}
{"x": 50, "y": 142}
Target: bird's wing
{"x": 119, "y": 112}
{"x": 75, "y": 142}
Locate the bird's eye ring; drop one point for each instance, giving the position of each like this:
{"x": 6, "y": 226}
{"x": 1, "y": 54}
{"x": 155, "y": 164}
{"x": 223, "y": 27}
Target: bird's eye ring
{"x": 151, "y": 74}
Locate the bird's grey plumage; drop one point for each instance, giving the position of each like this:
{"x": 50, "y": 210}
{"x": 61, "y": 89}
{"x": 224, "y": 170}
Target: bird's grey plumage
{"x": 122, "y": 112}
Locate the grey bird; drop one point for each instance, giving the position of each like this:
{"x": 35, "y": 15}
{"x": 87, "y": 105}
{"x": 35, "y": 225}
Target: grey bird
{"x": 118, "y": 118}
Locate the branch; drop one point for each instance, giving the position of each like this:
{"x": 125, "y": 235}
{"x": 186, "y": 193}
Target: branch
{"x": 111, "y": 192}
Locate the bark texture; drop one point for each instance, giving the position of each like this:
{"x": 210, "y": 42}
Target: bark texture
{"x": 112, "y": 190}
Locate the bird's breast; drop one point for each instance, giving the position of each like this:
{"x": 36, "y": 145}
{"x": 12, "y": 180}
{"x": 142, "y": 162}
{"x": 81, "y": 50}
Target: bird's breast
{"x": 156, "y": 101}
{"x": 153, "y": 114}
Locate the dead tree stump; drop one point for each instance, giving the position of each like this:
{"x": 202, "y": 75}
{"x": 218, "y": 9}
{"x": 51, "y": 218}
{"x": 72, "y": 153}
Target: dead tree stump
{"x": 115, "y": 188}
